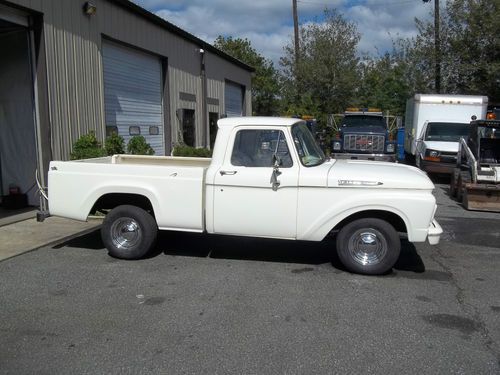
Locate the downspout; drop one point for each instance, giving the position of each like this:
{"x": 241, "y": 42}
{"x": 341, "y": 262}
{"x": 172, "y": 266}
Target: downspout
{"x": 204, "y": 130}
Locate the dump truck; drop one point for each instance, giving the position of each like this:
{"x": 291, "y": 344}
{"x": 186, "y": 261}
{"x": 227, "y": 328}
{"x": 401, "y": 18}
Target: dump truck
{"x": 364, "y": 134}
{"x": 475, "y": 180}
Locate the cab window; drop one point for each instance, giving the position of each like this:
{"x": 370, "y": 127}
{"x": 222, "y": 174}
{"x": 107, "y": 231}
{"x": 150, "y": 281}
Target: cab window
{"x": 255, "y": 148}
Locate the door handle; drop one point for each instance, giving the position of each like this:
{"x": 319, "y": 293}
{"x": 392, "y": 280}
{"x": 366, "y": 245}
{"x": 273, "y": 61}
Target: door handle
{"x": 229, "y": 173}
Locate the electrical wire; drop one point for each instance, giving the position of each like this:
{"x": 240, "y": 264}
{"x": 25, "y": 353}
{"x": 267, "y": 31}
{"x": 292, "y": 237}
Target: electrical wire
{"x": 41, "y": 189}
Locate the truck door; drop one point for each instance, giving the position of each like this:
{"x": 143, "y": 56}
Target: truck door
{"x": 245, "y": 202}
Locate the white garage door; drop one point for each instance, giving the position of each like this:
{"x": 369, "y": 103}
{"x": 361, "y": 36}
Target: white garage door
{"x": 133, "y": 94}
{"x": 234, "y": 99}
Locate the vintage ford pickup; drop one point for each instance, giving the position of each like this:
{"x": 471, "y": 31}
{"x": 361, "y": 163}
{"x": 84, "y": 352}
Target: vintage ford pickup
{"x": 267, "y": 178}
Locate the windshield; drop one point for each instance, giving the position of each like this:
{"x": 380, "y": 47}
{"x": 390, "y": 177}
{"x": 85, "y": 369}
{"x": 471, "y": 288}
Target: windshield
{"x": 446, "y": 131}
{"x": 363, "y": 120}
{"x": 488, "y": 132}
{"x": 309, "y": 152}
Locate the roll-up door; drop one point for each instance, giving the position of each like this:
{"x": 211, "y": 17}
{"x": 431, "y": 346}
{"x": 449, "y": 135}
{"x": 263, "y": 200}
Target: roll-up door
{"x": 233, "y": 99}
{"x": 133, "y": 94}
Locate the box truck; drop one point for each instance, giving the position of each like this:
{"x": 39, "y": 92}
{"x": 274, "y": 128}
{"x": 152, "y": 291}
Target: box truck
{"x": 434, "y": 125}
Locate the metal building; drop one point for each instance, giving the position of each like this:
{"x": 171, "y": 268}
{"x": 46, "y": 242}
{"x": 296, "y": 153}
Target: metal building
{"x": 68, "y": 67}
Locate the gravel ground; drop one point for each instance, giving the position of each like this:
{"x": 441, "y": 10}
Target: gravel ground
{"x": 226, "y": 305}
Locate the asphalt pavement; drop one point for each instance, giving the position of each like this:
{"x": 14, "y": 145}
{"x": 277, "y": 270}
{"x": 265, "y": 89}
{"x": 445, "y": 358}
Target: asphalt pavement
{"x": 225, "y": 305}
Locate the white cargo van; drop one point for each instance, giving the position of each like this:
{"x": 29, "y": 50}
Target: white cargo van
{"x": 430, "y": 115}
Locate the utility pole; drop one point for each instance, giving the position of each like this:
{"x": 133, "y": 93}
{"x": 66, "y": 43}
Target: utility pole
{"x": 437, "y": 47}
{"x": 296, "y": 31}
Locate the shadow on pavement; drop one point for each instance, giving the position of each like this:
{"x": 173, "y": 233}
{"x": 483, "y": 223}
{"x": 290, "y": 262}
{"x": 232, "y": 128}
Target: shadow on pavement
{"x": 247, "y": 248}
{"x": 91, "y": 240}
{"x": 443, "y": 179}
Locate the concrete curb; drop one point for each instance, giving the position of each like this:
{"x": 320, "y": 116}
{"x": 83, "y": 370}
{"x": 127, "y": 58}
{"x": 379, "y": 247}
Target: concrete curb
{"x": 52, "y": 242}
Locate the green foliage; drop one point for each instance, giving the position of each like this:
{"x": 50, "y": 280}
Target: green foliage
{"x": 188, "y": 151}
{"x": 470, "y": 48}
{"x": 87, "y": 147}
{"x": 265, "y": 82}
{"x": 114, "y": 144}
{"x": 326, "y": 76}
{"x": 138, "y": 146}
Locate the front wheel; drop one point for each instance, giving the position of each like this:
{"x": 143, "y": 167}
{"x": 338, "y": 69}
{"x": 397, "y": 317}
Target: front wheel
{"x": 368, "y": 246}
{"x": 418, "y": 162}
{"x": 129, "y": 232}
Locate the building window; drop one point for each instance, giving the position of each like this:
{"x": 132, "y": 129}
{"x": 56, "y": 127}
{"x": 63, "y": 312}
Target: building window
{"x": 188, "y": 128}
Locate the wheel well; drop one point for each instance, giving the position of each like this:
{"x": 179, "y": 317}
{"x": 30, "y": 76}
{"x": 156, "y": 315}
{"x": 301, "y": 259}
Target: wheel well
{"x": 393, "y": 219}
{"x": 112, "y": 200}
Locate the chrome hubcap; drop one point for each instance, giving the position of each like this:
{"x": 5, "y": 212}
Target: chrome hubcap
{"x": 367, "y": 246}
{"x": 125, "y": 233}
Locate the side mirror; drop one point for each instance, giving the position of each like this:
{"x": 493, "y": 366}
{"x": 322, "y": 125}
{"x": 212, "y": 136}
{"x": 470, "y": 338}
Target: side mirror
{"x": 277, "y": 162}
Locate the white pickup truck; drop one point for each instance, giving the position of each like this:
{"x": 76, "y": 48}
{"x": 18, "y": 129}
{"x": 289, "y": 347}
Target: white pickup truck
{"x": 267, "y": 178}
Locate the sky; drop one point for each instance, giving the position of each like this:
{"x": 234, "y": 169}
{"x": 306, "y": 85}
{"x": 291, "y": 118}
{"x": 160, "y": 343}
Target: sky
{"x": 268, "y": 24}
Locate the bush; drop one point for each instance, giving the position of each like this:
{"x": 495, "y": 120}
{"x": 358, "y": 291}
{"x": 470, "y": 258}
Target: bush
{"x": 188, "y": 151}
{"x": 138, "y": 146}
{"x": 87, "y": 147}
{"x": 115, "y": 144}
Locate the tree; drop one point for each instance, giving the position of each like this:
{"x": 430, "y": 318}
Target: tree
{"x": 387, "y": 81}
{"x": 470, "y": 48}
{"x": 265, "y": 84}
{"x": 326, "y": 76}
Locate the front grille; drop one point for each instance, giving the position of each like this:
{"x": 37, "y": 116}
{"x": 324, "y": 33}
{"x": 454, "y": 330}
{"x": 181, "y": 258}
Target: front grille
{"x": 448, "y": 157}
{"x": 364, "y": 143}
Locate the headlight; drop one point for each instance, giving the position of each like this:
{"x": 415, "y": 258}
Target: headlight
{"x": 336, "y": 146}
{"x": 390, "y": 147}
{"x": 432, "y": 153}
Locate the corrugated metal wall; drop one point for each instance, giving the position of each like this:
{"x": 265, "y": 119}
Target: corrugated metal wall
{"x": 73, "y": 43}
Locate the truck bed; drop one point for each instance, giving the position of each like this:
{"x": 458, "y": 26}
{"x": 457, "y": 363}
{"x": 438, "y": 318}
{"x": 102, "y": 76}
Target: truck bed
{"x": 173, "y": 185}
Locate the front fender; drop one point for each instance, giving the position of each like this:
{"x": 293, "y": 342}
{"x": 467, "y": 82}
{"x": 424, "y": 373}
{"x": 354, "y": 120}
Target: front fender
{"x": 415, "y": 208}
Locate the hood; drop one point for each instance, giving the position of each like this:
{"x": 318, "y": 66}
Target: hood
{"x": 442, "y": 146}
{"x": 361, "y": 173}
{"x": 364, "y": 129}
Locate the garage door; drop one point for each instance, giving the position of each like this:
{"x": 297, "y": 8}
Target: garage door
{"x": 133, "y": 94}
{"x": 233, "y": 99}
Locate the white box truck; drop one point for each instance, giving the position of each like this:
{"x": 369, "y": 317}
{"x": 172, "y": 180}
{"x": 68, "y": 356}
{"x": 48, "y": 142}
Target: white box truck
{"x": 434, "y": 125}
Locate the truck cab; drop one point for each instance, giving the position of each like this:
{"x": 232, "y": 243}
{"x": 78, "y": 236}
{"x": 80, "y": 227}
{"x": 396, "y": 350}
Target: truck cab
{"x": 438, "y": 146}
{"x": 363, "y": 134}
{"x": 475, "y": 180}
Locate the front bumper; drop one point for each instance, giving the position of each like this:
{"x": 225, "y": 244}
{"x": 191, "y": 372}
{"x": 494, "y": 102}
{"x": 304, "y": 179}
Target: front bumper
{"x": 434, "y": 232}
{"x": 377, "y": 157}
{"x": 437, "y": 167}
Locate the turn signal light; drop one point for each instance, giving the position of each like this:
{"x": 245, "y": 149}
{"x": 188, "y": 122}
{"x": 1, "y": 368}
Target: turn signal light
{"x": 491, "y": 116}
{"x": 432, "y": 158}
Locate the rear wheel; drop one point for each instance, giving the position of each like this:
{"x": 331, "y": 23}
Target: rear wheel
{"x": 465, "y": 200}
{"x": 465, "y": 177}
{"x": 368, "y": 246}
{"x": 418, "y": 161}
{"x": 129, "y": 232}
{"x": 453, "y": 184}
{"x": 459, "y": 191}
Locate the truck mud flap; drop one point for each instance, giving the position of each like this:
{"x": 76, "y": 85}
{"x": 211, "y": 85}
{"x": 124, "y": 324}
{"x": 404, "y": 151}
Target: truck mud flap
{"x": 482, "y": 197}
